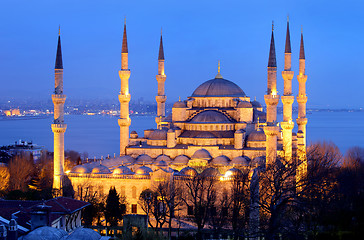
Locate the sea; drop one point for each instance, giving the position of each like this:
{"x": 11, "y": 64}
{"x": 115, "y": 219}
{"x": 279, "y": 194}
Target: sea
{"x": 98, "y": 135}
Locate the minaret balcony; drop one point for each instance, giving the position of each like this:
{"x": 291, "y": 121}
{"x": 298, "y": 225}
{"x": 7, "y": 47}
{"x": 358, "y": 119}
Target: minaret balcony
{"x": 59, "y": 127}
{"x": 161, "y": 78}
{"x": 124, "y": 98}
{"x": 58, "y": 98}
{"x": 301, "y": 98}
{"x": 287, "y": 100}
{"x": 287, "y": 75}
{"x": 124, "y": 73}
{"x": 271, "y": 130}
{"x": 287, "y": 125}
{"x": 124, "y": 122}
{"x": 302, "y": 78}
{"x": 271, "y": 99}
{"x": 301, "y": 121}
{"x": 161, "y": 98}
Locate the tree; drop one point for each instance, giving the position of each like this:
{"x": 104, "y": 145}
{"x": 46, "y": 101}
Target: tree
{"x": 21, "y": 169}
{"x": 4, "y": 177}
{"x": 113, "y": 211}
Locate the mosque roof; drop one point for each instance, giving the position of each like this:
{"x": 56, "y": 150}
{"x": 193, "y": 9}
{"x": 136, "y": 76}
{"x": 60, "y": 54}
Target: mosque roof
{"x": 181, "y": 159}
{"x": 158, "y": 134}
{"x": 210, "y": 172}
{"x": 258, "y": 161}
{"x": 144, "y": 159}
{"x": 46, "y": 232}
{"x": 164, "y": 158}
{"x": 244, "y": 104}
{"x": 243, "y": 161}
{"x": 101, "y": 169}
{"x": 205, "y": 135}
{"x": 143, "y": 170}
{"x": 179, "y": 104}
{"x": 233, "y": 172}
{"x": 220, "y": 160}
{"x": 218, "y": 87}
{"x": 84, "y": 234}
{"x": 188, "y": 171}
{"x": 218, "y": 134}
{"x": 201, "y": 153}
{"x": 257, "y": 135}
{"x": 80, "y": 169}
{"x": 256, "y": 104}
{"x": 122, "y": 170}
{"x": 210, "y": 116}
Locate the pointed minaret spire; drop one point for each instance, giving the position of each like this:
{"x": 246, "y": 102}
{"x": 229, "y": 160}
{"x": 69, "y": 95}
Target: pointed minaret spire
{"x": 125, "y": 41}
{"x": 272, "y": 52}
{"x": 59, "y": 63}
{"x": 288, "y": 39}
{"x": 161, "y": 51}
{"x": 302, "y": 48}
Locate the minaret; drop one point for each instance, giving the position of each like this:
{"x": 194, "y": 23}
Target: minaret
{"x": 271, "y": 130}
{"x": 161, "y": 78}
{"x": 287, "y": 99}
{"x": 124, "y": 96}
{"x": 58, "y": 126}
{"x": 302, "y": 100}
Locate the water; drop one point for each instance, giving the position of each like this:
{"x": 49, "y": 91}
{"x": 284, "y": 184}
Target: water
{"x": 99, "y": 135}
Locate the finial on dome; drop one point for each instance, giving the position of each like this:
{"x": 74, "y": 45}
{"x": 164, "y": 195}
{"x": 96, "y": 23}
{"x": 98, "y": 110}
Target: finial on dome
{"x": 179, "y": 98}
{"x": 255, "y": 98}
{"x": 272, "y": 26}
{"x": 218, "y": 70}
{"x": 59, "y": 30}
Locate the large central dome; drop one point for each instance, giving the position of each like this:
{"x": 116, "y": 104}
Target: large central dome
{"x": 218, "y": 87}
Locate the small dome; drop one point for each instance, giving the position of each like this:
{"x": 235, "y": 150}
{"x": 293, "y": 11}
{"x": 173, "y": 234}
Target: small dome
{"x": 220, "y": 160}
{"x": 144, "y": 159}
{"x": 179, "y": 104}
{"x": 240, "y": 161}
{"x": 188, "y": 171}
{"x": 101, "y": 169}
{"x": 244, "y": 104}
{"x": 143, "y": 170}
{"x": 181, "y": 160}
{"x": 80, "y": 169}
{"x": 210, "y": 172}
{"x": 126, "y": 159}
{"x": 158, "y": 134}
{"x": 133, "y": 134}
{"x": 205, "y": 135}
{"x": 258, "y": 161}
{"x": 256, "y": 104}
{"x": 84, "y": 234}
{"x": 122, "y": 170}
{"x": 210, "y": 116}
{"x": 45, "y": 232}
{"x": 161, "y": 163}
{"x": 218, "y": 87}
{"x": 202, "y": 153}
{"x": 257, "y": 135}
{"x": 164, "y": 158}
{"x": 233, "y": 172}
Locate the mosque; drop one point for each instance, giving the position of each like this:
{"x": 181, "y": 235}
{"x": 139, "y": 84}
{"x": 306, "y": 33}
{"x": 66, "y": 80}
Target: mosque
{"x": 218, "y": 131}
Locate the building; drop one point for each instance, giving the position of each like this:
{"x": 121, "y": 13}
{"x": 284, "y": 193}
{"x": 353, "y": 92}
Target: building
{"x": 218, "y": 130}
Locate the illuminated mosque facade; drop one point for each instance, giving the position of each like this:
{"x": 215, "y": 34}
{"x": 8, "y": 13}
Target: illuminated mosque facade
{"x": 217, "y": 131}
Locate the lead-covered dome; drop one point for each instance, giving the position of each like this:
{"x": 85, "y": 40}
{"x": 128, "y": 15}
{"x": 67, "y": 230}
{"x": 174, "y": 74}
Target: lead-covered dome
{"x": 122, "y": 170}
{"x": 143, "y": 170}
{"x": 80, "y": 169}
{"x": 101, "y": 169}
{"x": 210, "y": 116}
{"x": 201, "y": 154}
{"x": 188, "y": 171}
{"x": 218, "y": 87}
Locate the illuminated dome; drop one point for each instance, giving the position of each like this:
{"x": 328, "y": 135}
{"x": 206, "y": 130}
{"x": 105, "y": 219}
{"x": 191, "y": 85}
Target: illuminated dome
{"x": 188, "y": 171}
{"x": 164, "y": 158}
{"x": 181, "y": 159}
{"x": 244, "y": 104}
{"x": 218, "y": 87}
{"x": 240, "y": 161}
{"x": 122, "y": 170}
{"x": 210, "y": 116}
{"x": 220, "y": 160}
{"x": 257, "y": 135}
{"x": 101, "y": 169}
{"x": 80, "y": 169}
{"x": 179, "y": 104}
{"x": 210, "y": 172}
{"x": 126, "y": 159}
{"x": 144, "y": 159}
{"x": 143, "y": 170}
{"x": 233, "y": 172}
{"x": 202, "y": 154}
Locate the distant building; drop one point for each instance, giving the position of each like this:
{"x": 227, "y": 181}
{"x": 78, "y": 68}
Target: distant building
{"x": 22, "y": 146}
{"x": 12, "y": 112}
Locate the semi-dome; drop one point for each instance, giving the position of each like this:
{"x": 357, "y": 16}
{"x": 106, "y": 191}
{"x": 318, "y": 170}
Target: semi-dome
{"x": 122, "y": 170}
{"x": 80, "y": 169}
{"x": 45, "y": 232}
{"x": 181, "y": 160}
{"x": 205, "y": 135}
{"x": 158, "y": 134}
{"x": 220, "y": 160}
{"x": 144, "y": 159}
{"x": 218, "y": 87}
{"x": 257, "y": 135}
{"x": 244, "y": 104}
{"x": 179, "y": 104}
{"x": 143, "y": 170}
{"x": 202, "y": 154}
{"x": 210, "y": 116}
{"x": 210, "y": 172}
{"x": 101, "y": 169}
{"x": 240, "y": 161}
{"x": 188, "y": 171}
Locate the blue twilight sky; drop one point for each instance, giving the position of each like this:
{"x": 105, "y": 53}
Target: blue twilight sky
{"x": 196, "y": 35}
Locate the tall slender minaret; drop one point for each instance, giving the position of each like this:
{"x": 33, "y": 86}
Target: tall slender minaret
{"x": 287, "y": 99}
{"x": 271, "y": 130}
{"x": 161, "y": 78}
{"x": 58, "y": 126}
{"x": 124, "y": 97}
{"x": 302, "y": 100}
